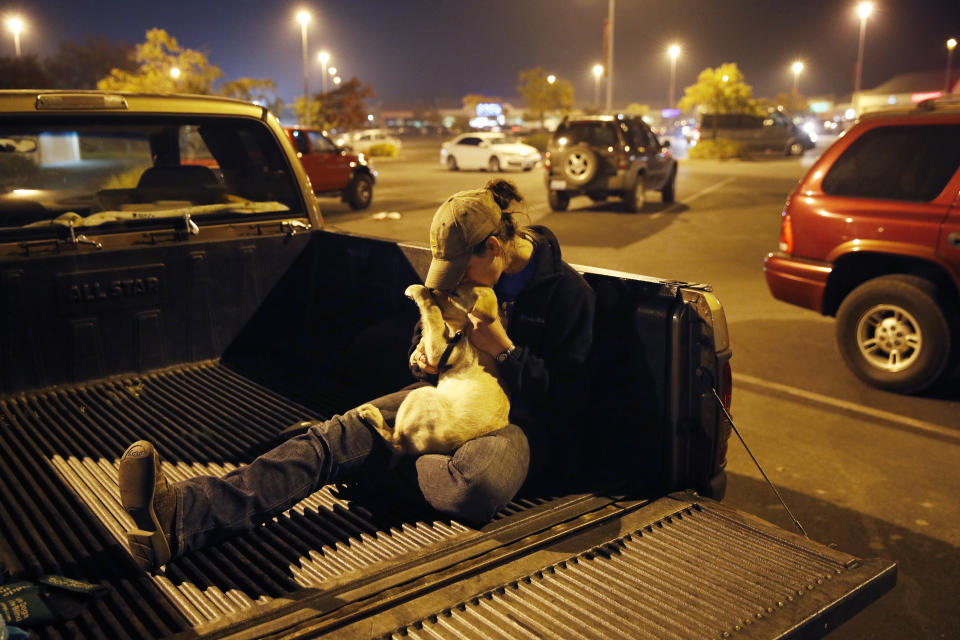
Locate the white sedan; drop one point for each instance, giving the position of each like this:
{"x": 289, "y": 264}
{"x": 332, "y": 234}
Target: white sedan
{"x": 361, "y": 141}
{"x": 490, "y": 151}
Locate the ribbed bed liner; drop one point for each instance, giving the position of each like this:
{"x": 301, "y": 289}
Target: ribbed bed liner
{"x": 61, "y": 444}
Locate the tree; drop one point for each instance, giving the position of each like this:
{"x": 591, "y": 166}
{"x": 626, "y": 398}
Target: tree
{"x": 259, "y": 90}
{"x": 309, "y": 114}
{"x": 81, "y": 65}
{"x": 343, "y": 108}
{"x": 719, "y": 90}
{"x": 156, "y": 58}
{"x": 542, "y": 96}
{"x": 24, "y": 72}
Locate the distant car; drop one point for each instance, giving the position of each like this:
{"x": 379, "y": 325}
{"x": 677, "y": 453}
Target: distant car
{"x": 333, "y": 171}
{"x": 604, "y": 156}
{"x": 485, "y": 150}
{"x": 871, "y": 235}
{"x": 362, "y": 141}
{"x": 773, "y": 132}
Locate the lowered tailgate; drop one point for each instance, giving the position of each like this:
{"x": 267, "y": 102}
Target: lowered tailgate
{"x": 679, "y": 567}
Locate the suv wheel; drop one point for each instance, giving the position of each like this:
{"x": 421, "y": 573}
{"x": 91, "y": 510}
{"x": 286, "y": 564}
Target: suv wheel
{"x": 894, "y": 334}
{"x": 794, "y": 148}
{"x": 360, "y": 192}
{"x": 635, "y": 199}
{"x": 493, "y": 165}
{"x": 452, "y": 163}
{"x": 559, "y": 201}
{"x": 579, "y": 166}
{"x": 669, "y": 191}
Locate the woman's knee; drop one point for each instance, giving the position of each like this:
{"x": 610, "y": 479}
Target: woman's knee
{"x": 479, "y": 479}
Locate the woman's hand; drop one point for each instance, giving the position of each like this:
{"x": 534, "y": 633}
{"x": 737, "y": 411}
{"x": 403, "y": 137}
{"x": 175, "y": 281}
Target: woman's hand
{"x": 420, "y": 358}
{"x": 488, "y": 334}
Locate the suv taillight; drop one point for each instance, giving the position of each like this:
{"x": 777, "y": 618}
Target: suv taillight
{"x": 786, "y": 233}
{"x": 546, "y": 160}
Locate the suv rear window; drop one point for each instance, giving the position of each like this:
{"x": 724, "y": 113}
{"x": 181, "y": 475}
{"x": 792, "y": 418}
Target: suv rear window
{"x": 911, "y": 163}
{"x": 93, "y": 171}
{"x": 594, "y": 134}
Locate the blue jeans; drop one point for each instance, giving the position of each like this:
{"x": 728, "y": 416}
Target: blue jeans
{"x": 473, "y": 484}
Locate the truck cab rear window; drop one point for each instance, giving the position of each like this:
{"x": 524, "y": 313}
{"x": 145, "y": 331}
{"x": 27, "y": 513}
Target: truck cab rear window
{"x": 912, "y": 163}
{"x": 94, "y": 171}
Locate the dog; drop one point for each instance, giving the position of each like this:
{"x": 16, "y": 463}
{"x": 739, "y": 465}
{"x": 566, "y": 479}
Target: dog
{"x": 469, "y": 399}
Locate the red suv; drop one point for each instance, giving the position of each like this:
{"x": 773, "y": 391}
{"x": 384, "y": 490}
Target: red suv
{"x": 872, "y": 236}
{"x": 332, "y": 170}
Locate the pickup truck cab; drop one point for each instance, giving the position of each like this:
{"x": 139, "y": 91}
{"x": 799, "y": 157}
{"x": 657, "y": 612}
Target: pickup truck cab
{"x": 205, "y": 310}
{"x": 333, "y": 171}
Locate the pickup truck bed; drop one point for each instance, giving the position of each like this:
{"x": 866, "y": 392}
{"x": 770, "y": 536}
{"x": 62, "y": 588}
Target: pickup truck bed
{"x": 273, "y": 328}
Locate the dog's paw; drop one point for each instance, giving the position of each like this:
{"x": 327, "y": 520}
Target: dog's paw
{"x": 414, "y": 291}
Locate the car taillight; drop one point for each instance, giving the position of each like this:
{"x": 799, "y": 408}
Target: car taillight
{"x": 622, "y": 157}
{"x": 546, "y": 159}
{"x": 786, "y": 233}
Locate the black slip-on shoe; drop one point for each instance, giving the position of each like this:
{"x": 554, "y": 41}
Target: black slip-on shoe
{"x": 142, "y": 485}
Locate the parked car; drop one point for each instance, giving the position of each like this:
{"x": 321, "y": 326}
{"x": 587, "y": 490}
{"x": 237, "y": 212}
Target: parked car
{"x": 362, "y": 141}
{"x": 604, "y": 156}
{"x": 871, "y": 235}
{"x": 773, "y": 132}
{"x": 487, "y": 150}
{"x": 333, "y": 171}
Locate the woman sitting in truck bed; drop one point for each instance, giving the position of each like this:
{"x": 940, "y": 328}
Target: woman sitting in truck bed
{"x": 548, "y": 309}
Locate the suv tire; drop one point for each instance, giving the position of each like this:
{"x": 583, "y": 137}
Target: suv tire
{"x": 493, "y": 165}
{"x": 669, "y": 191}
{"x": 359, "y": 192}
{"x": 636, "y": 198}
{"x": 794, "y": 148}
{"x": 579, "y": 166}
{"x": 889, "y": 315}
{"x": 452, "y": 163}
{"x": 559, "y": 201}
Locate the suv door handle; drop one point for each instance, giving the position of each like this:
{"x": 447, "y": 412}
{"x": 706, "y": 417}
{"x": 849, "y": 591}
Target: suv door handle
{"x": 953, "y": 239}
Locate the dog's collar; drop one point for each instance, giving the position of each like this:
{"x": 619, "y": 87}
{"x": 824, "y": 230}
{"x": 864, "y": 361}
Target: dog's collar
{"x": 451, "y": 343}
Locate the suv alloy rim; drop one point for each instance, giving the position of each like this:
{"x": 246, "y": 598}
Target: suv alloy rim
{"x": 577, "y": 164}
{"x": 889, "y": 337}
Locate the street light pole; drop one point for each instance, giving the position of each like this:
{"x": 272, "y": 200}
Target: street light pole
{"x": 951, "y": 45}
{"x": 797, "y": 68}
{"x": 673, "y": 51}
{"x": 324, "y": 58}
{"x": 597, "y": 72}
{"x": 608, "y": 63}
{"x": 304, "y": 18}
{"x": 863, "y": 9}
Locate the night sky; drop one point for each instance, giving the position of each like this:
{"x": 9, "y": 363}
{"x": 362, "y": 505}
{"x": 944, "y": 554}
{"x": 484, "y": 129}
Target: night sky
{"x": 422, "y": 50}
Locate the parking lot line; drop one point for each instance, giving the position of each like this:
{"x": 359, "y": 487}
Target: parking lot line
{"x": 927, "y": 428}
{"x": 700, "y": 193}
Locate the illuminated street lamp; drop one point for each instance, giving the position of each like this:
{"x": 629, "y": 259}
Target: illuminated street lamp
{"x": 337, "y": 81}
{"x": 333, "y": 71}
{"x": 673, "y": 51}
{"x": 15, "y": 25}
{"x": 304, "y": 18}
{"x": 951, "y": 45}
{"x": 864, "y": 9}
{"x": 324, "y": 58}
{"x": 551, "y": 79}
{"x": 797, "y": 68}
{"x": 597, "y": 72}
{"x": 725, "y": 78}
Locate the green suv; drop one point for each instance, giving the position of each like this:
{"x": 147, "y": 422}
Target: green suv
{"x": 604, "y": 156}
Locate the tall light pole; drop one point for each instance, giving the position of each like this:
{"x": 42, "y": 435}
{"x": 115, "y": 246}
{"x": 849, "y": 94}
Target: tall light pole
{"x": 797, "y": 69}
{"x": 864, "y": 9}
{"x": 951, "y": 45}
{"x": 324, "y": 58}
{"x": 15, "y": 25}
{"x": 304, "y": 18}
{"x": 609, "y": 61}
{"x": 673, "y": 51}
{"x": 597, "y": 72}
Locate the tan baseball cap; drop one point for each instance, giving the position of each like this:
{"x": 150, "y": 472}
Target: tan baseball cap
{"x": 462, "y": 222}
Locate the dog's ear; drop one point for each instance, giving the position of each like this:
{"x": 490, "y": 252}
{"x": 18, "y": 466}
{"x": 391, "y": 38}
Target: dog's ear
{"x": 486, "y": 304}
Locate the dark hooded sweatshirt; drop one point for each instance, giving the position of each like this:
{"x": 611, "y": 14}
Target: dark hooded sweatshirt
{"x": 550, "y": 321}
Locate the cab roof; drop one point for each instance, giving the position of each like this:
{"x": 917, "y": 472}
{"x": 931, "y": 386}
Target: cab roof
{"x": 49, "y": 101}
